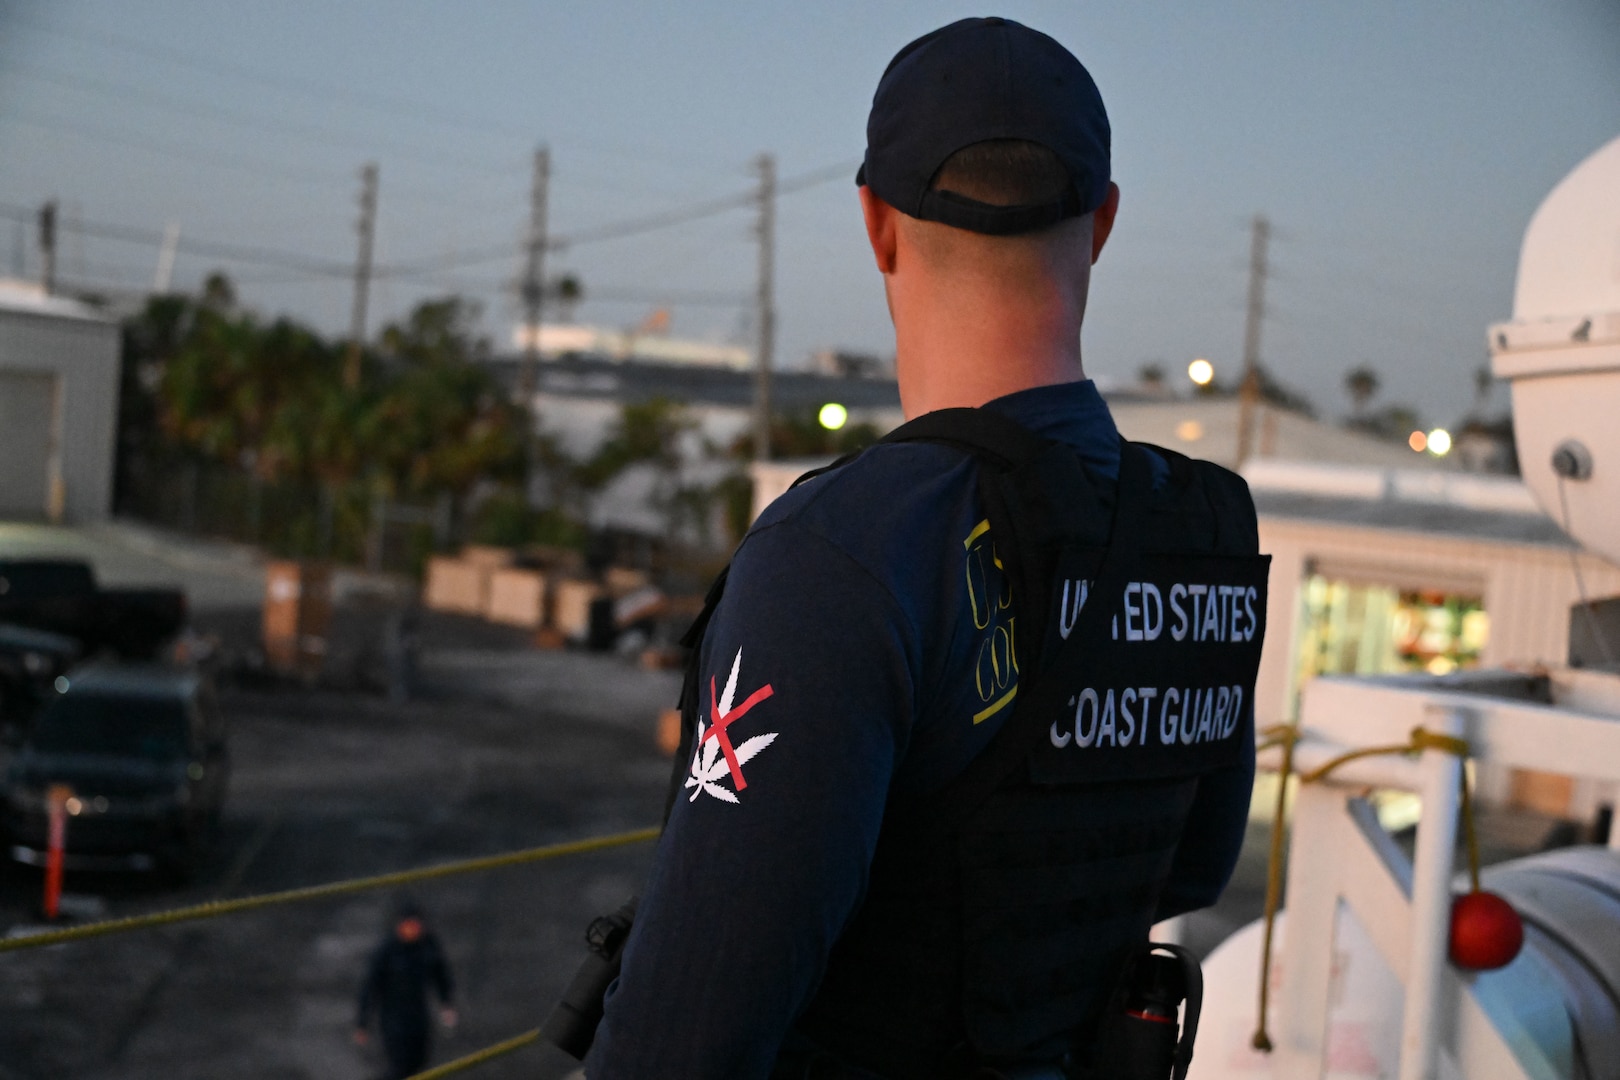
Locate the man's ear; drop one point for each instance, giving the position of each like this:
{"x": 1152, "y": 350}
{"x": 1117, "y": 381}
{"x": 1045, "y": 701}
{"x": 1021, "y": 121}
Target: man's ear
{"x": 1102, "y": 221}
{"x": 882, "y": 224}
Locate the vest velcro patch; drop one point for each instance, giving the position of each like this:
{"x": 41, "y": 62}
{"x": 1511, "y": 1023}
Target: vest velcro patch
{"x": 1164, "y": 691}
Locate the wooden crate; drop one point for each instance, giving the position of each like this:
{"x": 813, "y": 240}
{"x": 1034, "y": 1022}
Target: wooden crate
{"x": 454, "y": 585}
{"x": 297, "y": 615}
{"x": 517, "y": 598}
{"x": 487, "y": 557}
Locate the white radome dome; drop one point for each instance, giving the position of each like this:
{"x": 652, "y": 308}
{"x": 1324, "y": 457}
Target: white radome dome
{"x": 1570, "y": 261}
{"x": 1561, "y": 354}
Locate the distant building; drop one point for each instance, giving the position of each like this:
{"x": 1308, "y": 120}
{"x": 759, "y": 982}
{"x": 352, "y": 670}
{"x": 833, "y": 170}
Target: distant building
{"x": 59, "y": 374}
{"x": 579, "y": 398}
{"x": 850, "y": 365}
{"x": 1207, "y": 427}
{"x": 1200, "y": 427}
{"x": 649, "y": 343}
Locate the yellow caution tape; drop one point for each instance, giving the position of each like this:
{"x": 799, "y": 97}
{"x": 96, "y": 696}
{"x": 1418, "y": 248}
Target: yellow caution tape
{"x": 215, "y": 908}
{"x": 516, "y": 1042}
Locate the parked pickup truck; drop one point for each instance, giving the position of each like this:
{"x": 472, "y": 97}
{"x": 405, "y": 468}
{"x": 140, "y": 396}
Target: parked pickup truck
{"x": 60, "y": 596}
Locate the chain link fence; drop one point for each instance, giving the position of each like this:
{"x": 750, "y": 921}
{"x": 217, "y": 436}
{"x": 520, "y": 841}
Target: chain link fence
{"x": 354, "y": 522}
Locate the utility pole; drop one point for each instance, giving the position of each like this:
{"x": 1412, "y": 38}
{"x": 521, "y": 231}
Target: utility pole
{"x": 534, "y": 298}
{"x": 765, "y": 314}
{"x": 164, "y": 276}
{"x": 47, "y": 247}
{"x": 1249, "y": 393}
{"x": 362, "y": 275}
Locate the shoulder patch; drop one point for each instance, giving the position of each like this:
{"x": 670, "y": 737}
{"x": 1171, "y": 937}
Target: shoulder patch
{"x": 715, "y": 758}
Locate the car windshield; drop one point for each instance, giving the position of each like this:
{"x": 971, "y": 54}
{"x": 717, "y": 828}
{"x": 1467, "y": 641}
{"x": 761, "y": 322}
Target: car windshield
{"x": 104, "y": 724}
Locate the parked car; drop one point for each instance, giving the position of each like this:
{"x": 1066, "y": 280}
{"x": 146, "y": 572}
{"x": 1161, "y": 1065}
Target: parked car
{"x": 143, "y": 749}
{"x": 30, "y": 663}
{"x": 61, "y": 596}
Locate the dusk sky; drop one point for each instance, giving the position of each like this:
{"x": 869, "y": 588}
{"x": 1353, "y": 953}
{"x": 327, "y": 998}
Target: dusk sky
{"x": 1398, "y": 148}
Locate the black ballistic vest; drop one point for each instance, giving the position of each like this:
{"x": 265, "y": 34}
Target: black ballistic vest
{"x": 1000, "y": 908}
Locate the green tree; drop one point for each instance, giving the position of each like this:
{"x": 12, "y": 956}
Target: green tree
{"x": 1361, "y": 383}
{"x": 440, "y": 421}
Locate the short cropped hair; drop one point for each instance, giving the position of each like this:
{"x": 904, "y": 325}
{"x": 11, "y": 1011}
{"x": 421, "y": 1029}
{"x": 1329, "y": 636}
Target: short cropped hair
{"x": 1004, "y": 172}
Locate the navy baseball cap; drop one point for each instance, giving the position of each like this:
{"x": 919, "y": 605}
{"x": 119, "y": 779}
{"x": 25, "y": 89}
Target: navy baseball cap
{"x": 970, "y": 82}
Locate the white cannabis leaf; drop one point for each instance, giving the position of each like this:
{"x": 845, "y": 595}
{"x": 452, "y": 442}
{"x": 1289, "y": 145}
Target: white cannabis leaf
{"x": 708, "y": 764}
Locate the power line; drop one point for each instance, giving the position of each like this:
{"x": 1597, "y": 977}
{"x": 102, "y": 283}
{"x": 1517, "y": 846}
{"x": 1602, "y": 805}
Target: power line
{"x": 765, "y": 305}
{"x": 264, "y": 169}
{"x": 1254, "y": 319}
{"x": 323, "y": 93}
{"x": 124, "y": 92}
{"x": 533, "y": 291}
{"x": 421, "y": 268}
{"x": 362, "y": 275}
{"x": 288, "y": 260}
{"x": 629, "y": 227}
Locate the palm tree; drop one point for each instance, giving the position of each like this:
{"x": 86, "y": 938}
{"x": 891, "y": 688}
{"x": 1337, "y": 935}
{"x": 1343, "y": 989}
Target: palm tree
{"x": 1362, "y": 385}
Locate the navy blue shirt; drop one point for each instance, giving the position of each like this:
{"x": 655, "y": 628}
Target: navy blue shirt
{"x": 854, "y": 657}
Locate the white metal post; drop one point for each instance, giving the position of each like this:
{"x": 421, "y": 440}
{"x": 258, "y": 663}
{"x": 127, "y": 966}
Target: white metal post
{"x": 1300, "y": 1028}
{"x": 1421, "y": 1023}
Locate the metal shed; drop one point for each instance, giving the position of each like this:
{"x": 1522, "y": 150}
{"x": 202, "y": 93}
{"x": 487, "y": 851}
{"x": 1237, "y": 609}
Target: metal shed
{"x": 59, "y": 374}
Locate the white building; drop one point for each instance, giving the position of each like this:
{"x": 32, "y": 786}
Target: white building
{"x": 59, "y": 373}
{"x": 558, "y": 340}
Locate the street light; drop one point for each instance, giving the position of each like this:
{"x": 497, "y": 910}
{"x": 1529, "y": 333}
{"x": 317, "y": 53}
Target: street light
{"x": 1439, "y": 442}
{"x": 1201, "y": 371}
{"x": 833, "y": 416}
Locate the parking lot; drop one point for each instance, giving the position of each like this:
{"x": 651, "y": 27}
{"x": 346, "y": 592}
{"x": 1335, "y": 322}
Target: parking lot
{"x": 328, "y": 786}
{"x": 504, "y": 748}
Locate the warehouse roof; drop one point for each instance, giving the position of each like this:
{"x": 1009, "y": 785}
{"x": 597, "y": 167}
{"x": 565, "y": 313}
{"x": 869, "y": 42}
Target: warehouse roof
{"x": 1457, "y": 504}
{"x": 26, "y": 297}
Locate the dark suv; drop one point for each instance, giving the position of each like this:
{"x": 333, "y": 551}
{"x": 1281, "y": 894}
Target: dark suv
{"x": 143, "y": 749}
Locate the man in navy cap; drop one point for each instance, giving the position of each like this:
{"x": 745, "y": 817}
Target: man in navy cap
{"x": 917, "y": 830}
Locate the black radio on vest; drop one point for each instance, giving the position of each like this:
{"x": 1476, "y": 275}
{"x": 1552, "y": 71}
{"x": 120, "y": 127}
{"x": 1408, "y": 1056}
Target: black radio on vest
{"x": 1004, "y": 931}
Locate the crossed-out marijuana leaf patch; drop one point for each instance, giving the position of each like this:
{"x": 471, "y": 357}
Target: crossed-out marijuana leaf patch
{"x": 715, "y": 757}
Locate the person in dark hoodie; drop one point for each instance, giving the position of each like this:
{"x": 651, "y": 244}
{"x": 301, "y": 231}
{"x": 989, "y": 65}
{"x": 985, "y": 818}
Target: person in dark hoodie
{"x": 404, "y": 966}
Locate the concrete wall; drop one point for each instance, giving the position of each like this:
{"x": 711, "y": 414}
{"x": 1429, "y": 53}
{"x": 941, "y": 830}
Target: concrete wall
{"x": 82, "y": 356}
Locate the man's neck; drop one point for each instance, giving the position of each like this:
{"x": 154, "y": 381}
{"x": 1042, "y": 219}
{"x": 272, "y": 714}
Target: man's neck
{"x": 965, "y": 354}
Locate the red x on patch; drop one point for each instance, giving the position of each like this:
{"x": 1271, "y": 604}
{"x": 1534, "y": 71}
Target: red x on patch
{"x": 718, "y": 725}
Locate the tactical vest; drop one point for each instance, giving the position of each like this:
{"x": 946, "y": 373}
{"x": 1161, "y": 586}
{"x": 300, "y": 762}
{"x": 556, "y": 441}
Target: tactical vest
{"x": 1000, "y": 909}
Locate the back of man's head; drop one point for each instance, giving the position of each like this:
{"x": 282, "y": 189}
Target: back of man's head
{"x": 1003, "y": 173}
{"x": 992, "y": 140}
